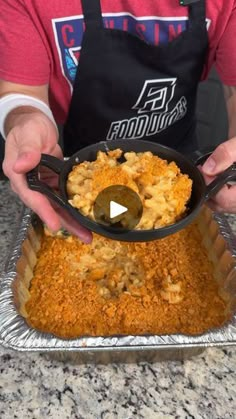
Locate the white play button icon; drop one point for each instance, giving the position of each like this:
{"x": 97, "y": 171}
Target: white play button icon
{"x": 116, "y": 209}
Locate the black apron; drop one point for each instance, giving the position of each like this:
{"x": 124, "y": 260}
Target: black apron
{"x": 126, "y": 88}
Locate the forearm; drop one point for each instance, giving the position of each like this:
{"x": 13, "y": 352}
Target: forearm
{"x": 230, "y": 98}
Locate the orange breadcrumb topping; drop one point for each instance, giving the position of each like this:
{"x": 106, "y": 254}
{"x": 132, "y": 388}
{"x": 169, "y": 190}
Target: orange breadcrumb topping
{"x": 175, "y": 291}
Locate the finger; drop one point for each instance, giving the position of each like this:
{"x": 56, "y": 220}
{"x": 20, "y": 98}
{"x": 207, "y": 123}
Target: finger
{"x": 23, "y": 152}
{"x": 70, "y": 224}
{"x": 225, "y": 200}
{"x": 20, "y": 158}
{"x": 57, "y": 152}
{"x": 214, "y": 207}
{"x": 50, "y": 179}
{"x": 13, "y": 187}
{"x": 223, "y": 156}
{"x": 26, "y": 161}
{"x": 50, "y": 214}
{"x": 208, "y": 179}
{"x": 36, "y": 201}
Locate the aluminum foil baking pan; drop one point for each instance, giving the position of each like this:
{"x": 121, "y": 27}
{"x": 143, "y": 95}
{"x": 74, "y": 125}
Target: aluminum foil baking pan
{"x": 218, "y": 238}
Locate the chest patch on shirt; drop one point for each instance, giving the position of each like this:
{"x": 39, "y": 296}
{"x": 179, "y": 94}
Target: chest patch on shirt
{"x": 69, "y": 31}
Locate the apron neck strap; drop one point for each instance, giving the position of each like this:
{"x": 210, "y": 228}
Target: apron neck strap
{"x": 197, "y": 11}
{"x": 92, "y": 13}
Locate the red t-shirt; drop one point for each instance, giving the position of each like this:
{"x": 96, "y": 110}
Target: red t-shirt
{"x": 40, "y": 41}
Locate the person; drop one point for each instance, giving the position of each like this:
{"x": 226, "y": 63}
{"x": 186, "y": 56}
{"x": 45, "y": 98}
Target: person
{"x": 110, "y": 70}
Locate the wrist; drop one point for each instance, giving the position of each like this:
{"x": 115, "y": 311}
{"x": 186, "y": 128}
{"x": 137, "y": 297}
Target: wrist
{"x": 13, "y": 105}
{"x": 21, "y": 116}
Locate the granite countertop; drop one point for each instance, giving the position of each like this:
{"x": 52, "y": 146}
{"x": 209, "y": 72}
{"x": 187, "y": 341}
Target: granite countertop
{"x": 34, "y": 386}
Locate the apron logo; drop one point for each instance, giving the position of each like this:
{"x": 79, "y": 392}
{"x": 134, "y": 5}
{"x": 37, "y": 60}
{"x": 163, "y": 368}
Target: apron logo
{"x": 155, "y": 95}
{"x": 153, "y": 111}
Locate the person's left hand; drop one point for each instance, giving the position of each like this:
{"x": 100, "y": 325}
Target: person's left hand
{"x": 223, "y": 157}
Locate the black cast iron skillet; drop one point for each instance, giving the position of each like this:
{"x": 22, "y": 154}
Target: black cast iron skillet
{"x": 200, "y": 192}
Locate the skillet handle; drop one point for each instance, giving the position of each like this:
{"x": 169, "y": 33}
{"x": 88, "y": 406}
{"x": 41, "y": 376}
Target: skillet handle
{"x": 199, "y": 157}
{"x": 228, "y": 175}
{"x": 35, "y": 184}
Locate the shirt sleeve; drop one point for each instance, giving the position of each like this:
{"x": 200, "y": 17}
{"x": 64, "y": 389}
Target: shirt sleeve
{"x": 23, "y": 56}
{"x": 226, "y": 53}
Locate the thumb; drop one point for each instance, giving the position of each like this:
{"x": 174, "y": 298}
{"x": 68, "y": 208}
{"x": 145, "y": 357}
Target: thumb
{"x": 223, "y": 156}
{"x": 26, "y": 160}
{"x": 28, "y": 140}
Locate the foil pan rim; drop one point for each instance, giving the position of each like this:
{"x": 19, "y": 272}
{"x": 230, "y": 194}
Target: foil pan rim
{"x": 16, "y": 334}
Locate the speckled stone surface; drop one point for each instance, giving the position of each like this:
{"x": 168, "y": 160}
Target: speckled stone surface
{"x": 35, "y": 386}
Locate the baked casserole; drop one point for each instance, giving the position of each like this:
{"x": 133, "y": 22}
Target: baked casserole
{"x": 117, "y": 288}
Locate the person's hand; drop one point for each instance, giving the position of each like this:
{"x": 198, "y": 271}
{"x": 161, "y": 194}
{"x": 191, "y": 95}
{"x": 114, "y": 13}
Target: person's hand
{"x": 223, "y": 157}
{"x": 25, "y": 142}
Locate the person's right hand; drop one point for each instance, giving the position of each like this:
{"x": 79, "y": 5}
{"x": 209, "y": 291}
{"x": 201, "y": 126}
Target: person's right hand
{"x": 33, "y": 135}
